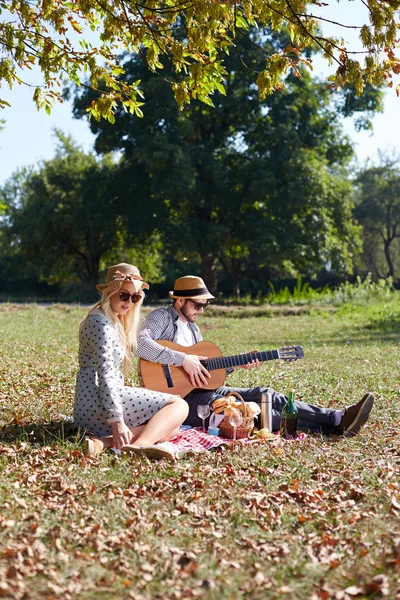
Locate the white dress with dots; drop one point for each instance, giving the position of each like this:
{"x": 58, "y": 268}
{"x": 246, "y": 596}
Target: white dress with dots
{"x": 101, "y": 396}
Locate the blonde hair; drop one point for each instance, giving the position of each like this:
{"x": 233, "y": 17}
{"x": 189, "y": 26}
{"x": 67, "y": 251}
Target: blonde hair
{"x": 126, "y": 325}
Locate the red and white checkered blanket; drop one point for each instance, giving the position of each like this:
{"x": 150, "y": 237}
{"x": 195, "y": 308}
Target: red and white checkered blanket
{"x": 198, "y": 440}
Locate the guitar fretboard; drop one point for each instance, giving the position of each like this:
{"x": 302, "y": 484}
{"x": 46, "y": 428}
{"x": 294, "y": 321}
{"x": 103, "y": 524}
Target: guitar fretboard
{"x": 225, "y": 362}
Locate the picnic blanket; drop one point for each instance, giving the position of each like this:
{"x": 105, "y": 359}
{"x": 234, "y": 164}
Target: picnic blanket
{"x": 198, "y": 440}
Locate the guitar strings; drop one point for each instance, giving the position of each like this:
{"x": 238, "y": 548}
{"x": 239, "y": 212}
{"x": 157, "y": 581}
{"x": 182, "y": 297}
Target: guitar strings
{"x": 221, "y": 362}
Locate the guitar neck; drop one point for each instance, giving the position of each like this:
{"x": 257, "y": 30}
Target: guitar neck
{"x": 225, "y": 362}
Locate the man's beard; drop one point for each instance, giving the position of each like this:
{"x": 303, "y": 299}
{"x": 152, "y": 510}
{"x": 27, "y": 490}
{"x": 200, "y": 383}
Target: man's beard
{"x": 190, "y": 318}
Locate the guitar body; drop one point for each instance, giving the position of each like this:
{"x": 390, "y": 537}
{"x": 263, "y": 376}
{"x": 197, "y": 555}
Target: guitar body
{"x": 154, "y": 377}
{"x": 175, "y": 380}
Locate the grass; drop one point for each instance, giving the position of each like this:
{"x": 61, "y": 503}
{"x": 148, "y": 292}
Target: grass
{"x": 316, "y": 519}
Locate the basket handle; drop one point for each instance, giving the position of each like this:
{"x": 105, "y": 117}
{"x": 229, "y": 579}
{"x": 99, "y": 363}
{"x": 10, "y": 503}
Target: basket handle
{"x": 239, "y": 397}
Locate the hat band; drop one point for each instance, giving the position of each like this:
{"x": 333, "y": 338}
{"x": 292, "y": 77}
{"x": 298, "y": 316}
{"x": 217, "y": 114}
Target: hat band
{"x": 118, "y": 276}
{"x": 188, "y": 293}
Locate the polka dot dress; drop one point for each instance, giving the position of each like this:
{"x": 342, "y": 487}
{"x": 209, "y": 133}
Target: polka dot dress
{"x": 100, "y": 393}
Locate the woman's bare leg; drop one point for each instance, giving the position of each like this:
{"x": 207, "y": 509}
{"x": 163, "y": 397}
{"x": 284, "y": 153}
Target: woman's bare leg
{"x": 165, "y": 423}
{"x": 108, "y": 441}
{"x": 164, "y": 426}
{"x": 137, "y": 430}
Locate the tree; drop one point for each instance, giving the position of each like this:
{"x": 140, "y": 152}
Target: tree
{"x": 253, "y": 185}
{"x": 378, "y": 210}
{"x": 2, "y": 123}
{"x": 195, "y": 36}
{"x": 64, "y": 221}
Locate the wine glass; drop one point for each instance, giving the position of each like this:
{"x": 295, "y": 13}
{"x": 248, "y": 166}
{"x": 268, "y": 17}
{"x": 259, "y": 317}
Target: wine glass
{"x": 235, "y": 419}
{"x": 203, "y": 411}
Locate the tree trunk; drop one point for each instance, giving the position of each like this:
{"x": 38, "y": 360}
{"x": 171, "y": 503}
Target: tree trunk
{"x": 389, "y": 258}
{"x": 208, "y": 264}
{"x": 236, "y": 288}
{"x": 234, "y": 268}
{"x": 90, "y": 274}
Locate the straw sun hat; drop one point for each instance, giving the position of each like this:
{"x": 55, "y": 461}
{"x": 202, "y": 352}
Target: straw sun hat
{"x": 120, "y": 273}
{"x": 190, "y": 286}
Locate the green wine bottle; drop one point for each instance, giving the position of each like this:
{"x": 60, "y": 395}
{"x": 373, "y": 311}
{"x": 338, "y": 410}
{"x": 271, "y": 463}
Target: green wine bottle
{"x": 289, "y": 417}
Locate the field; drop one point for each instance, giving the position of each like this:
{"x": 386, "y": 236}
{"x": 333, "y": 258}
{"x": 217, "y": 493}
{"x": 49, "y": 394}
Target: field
{"x": 315, "y": 519}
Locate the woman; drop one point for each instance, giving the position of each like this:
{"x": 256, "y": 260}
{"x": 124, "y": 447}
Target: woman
{"x": 126, "y": 418}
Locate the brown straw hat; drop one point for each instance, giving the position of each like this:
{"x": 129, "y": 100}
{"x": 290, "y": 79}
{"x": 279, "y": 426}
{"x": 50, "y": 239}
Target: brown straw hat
{"x": 190, "y": 286}
{"x": 119, "y": 273}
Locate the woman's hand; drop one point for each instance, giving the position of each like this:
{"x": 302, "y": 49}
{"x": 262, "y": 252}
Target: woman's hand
{"x": 122, "y": 435}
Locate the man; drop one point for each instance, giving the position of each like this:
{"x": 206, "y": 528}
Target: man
{"x": 177, "y": 323}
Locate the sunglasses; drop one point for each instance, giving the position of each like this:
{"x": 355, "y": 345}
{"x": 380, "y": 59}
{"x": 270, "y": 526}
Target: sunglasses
{"x": 125, "y": 296}
{"x": 197, "y": 305}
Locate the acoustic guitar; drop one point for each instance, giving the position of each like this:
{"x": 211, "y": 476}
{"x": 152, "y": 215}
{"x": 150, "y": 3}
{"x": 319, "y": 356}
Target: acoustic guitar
{"x": 175, "y": 380}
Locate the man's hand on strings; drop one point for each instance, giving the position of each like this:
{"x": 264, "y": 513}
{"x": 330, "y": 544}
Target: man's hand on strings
{"x": 251, "y": 364}
{"x": 197, "y": 372}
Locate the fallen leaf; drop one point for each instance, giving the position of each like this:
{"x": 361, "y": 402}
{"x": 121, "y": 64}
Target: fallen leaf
{"x": 353, "y": 590}
{"x": 395, "y": 503}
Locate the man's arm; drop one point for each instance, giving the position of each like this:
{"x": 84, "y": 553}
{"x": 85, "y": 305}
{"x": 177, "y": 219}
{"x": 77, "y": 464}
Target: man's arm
{"x": 158, "y": 325}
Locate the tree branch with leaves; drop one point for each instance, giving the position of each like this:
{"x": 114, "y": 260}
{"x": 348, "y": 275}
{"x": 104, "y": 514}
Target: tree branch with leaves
{"x": 193, "y": 35}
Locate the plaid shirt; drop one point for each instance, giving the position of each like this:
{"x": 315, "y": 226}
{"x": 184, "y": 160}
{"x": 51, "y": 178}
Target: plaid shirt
{"x": 161, "y": 325}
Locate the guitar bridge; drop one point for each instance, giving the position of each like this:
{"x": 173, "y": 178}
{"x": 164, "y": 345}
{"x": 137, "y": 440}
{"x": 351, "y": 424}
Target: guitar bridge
{"x": 168, "y": 376}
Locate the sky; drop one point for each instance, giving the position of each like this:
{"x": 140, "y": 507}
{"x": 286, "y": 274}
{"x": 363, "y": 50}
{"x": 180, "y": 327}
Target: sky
{"x": 28, "y": 136}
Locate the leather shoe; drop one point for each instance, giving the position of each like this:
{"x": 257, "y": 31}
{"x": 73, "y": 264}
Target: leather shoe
{"x": 91, "y": 446}
{"x": 355, "y": 416}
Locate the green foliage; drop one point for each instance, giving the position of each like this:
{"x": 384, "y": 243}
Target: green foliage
{"x": 2, "y": 123}
{"x": 250, "y": 190}
{"x": 253, "y": 188}
{"x": 195, "y": 38}
{"x": 64, "y": 218}
{"x": 151, "y": 261}
{"x": 2, "y": 206}
{"x": 302, "y": 293}
{"x": 362, "y": 291}
{"x": 377, "y": 197}
{"x": 64, "y": 223}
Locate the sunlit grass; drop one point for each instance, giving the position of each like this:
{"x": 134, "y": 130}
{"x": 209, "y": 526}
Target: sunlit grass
{"x": 305, "y": 520}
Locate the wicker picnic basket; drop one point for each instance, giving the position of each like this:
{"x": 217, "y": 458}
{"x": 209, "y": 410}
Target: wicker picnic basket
{"x": 244, "y": 429}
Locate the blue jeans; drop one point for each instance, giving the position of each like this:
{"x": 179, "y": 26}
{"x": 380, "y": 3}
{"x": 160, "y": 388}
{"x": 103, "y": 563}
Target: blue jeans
{"x": 310, "y": 418}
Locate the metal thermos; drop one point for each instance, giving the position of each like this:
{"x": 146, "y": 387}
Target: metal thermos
{"x": 266, "y": 411}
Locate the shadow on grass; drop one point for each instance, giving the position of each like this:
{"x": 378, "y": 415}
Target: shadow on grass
{"x": 246, "y": 311}
{"x": 391, "y": 323}
{"x": 385, "y": 330}
{"x": 41, "y": 434}
{"x": 357, "y": 338}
